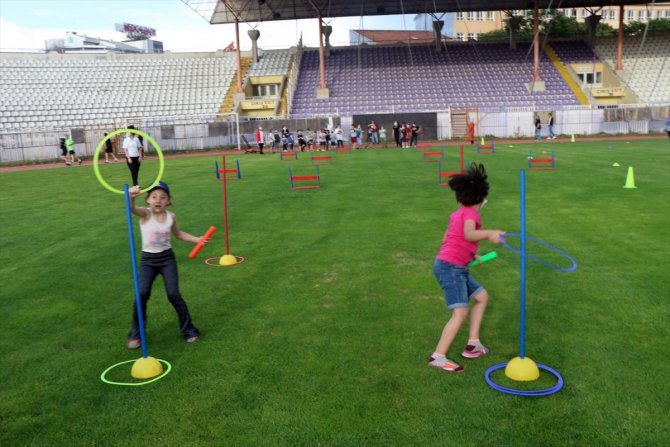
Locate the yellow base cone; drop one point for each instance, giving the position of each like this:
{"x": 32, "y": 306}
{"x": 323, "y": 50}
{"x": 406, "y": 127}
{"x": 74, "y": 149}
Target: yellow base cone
{"x": 227, "y": 260}
{"x": 522, "y": 369}
{"x": 572, "y": 140}
{"x": 630, "y": 179}
{"x": 483, "y": 142}
{"x": 146, "y": 368}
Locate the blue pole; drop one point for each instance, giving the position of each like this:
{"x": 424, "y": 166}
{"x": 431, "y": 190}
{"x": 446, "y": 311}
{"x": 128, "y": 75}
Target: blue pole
{"x": 216, "y": 170}
{"x": 133, "y": 260}
{"x": 239, "y": 173}
{"x": 522, "y": 341}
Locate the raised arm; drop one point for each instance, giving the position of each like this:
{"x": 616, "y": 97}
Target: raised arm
{"x": 136, "y": 210}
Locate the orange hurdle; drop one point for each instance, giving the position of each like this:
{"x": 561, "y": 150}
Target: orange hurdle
{"x": 321, "y": 160}
{"x": 433, "y": 156}
{"x": 283, "y": 155}
{"x": 441, "y": 175}
{"x": 302, "y": 178}
{"x": 540, "y": 164}
{"x": 343, "y": 150}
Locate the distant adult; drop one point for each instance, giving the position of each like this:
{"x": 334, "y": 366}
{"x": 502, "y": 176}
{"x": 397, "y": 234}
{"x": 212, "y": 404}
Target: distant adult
{"x": 109, "y": 150}
{"x": 551, "y": 127}
{"x": 131, "y": 149}
{"x": 374, "y": 132}
{"x": 471, "y": 132}
{"x": 538, "y": 129}
{"x": 260, "y": 139}
{"x": 667, "y": 125}
{"x": 339, "y": 140}
{"x": 396, "y": 133}
{"x": 415, "y": 134}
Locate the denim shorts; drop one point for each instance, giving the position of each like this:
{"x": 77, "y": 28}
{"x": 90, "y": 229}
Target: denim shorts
{"x": 457, "y": 284}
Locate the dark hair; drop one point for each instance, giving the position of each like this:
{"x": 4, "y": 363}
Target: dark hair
{"x": 471, "y": 187}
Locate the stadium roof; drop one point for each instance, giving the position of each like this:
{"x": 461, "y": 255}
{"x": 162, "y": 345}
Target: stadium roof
{"x": 226, "y": 11}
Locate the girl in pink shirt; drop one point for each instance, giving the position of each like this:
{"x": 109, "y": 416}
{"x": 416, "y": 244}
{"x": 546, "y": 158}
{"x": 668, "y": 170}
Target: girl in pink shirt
{"x": 459, "y": 248}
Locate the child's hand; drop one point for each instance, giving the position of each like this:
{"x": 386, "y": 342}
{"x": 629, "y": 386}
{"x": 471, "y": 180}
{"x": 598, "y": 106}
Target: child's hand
{"x": 203, "y": 240}
{"x": 134, "y": 191}
{"x": 494, "y": 236}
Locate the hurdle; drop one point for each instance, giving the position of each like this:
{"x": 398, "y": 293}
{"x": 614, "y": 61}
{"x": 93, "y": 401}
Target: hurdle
{"x": 543, "y": 164}
{"x": 343, "y": 150}
{"x": 421, "y": 146}
{"x": 236, "y": 171}
{"x": 441, "y": 175}
{"x": 321, "y": 160}
{"x": 288, "y": 155}
{"x": 487, "y": 149}
{"x": 303, "y": 178}
{"x": 433, "y": 156}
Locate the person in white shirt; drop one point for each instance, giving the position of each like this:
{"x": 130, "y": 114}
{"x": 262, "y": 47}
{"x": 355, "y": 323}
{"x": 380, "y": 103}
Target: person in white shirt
{"x": 131, "y": 148}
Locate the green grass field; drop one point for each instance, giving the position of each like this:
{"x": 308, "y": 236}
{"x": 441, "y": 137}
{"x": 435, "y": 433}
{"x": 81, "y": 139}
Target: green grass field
{"x": 321, "y": 336}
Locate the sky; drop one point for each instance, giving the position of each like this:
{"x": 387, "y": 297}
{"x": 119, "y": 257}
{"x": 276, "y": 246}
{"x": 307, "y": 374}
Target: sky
{"x": 26, "y": 24}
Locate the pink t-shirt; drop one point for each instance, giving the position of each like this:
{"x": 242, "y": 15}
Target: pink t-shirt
{"x": 455, "y": 248}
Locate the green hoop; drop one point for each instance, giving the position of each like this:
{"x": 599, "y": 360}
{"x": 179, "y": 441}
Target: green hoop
{"x": 146, "y": 382}
{"x": 96, "y": 168}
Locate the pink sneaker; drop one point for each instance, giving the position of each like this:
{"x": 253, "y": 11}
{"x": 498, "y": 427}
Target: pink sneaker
{"x": 444, "y": 364}
{"x": 474, "y": 351}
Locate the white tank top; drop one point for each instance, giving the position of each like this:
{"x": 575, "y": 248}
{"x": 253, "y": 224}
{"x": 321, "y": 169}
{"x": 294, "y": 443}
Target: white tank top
{"x": 156, "y": 235}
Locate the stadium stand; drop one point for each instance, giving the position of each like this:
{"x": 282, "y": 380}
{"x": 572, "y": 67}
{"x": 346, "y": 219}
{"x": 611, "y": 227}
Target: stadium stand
{"x": 646, "y": 67}
{"x": 270, "y": 63}
{"x": 417, "y": 79}
{"x": 55, "y": 90}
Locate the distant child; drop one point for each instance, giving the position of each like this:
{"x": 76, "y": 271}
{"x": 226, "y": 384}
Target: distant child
{"x": 353, "y": 137}
{"x": 109, "y": 150}
{"x": 63, "y": 152}
{"x": 538, "y": 129}
{"x": 382, "y": 136}
{"x": 302, "y": 142}
{"x": 156, "y": 224}
{"x": 260, "y": 139}
{"x": 459, "y": 248}
{"x": 69, "y": 143}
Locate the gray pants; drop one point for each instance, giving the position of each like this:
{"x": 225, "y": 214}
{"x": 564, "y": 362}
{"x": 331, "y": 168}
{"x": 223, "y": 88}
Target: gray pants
{"x": 151, "y": 266}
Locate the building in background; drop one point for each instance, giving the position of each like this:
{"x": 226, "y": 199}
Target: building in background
{"x": 470, "y": 25}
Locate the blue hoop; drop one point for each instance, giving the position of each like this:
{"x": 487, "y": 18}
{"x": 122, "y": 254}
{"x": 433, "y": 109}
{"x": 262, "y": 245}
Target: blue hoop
{"x": 535, "y": 258}
{"x": 531, "y": 393}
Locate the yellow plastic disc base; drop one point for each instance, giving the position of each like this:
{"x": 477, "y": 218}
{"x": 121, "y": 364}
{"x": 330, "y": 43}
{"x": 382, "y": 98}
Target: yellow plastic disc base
{"x": 146, "y": 368}
{"x": 522, "y": 369}
{"x": 228, "y": 260}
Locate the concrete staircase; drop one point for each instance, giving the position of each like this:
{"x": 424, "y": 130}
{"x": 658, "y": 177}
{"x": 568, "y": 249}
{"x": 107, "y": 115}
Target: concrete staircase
{"x": 229, "y": 100}
{"x": 576, "y": 89}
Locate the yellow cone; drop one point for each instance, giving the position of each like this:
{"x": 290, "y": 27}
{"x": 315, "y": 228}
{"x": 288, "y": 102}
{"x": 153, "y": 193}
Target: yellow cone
{"x": 483, "y": 142}
{"x": 227, "y": 260}
{"x": 522, "y": 369}
{"x": 146, "y": 368}
{"x": 572, "y": 140}
{"x": 630, "y": 179}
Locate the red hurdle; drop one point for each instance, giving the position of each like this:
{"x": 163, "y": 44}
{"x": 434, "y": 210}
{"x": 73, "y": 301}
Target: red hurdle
{"x": 441, "y": 175}
{"x": 288, "y": 155}
{"x": 224, "y": 171}
{"x": 321, "y": 160}
{"x": 302, "y": 178}
{"x": 433, "y": 156}
{"x": 343, "y": 150}
{"x": 487, "y": 149}
{"x": 541, "y": 164}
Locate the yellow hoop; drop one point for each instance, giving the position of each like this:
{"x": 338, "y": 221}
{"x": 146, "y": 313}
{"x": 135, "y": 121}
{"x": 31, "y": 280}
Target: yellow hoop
{"x": 96, "y": 168}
